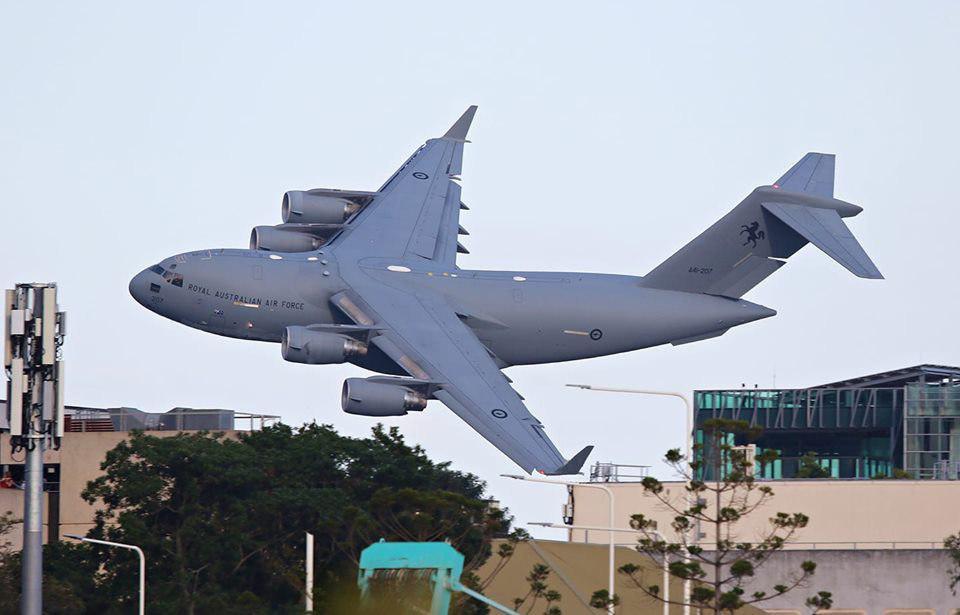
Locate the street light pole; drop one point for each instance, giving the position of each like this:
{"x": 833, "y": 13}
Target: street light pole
{"x": 143, "y": 563}
{"x": 688, "y": 448}
{"x": 586, "y": 528}
{"x": 610, "y": 498}
{"x": 308, "y": 601}
{"x": 688, "y": 441}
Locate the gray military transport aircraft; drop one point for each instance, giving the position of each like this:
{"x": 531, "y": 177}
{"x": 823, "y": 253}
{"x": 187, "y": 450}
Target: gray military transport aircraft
{"x": 371, "y": 278}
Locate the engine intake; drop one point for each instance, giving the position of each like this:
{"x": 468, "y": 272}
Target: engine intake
{"x": 275, "y": 239}
{"x": 300, "y": 206}
{"x": 367, "y": 398}
{"x": 301, "y": 345}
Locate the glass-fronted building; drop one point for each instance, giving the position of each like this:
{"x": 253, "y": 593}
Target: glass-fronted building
{"x": 867, "y": 427}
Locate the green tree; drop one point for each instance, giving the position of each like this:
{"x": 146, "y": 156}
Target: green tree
{"x": 601, "y": 599}
{"x": 539, "y": 588}
{"x": 952, "y": 545}
{"x": 222, "y": 520}
{"x": 68, "y": 574}
{"x": 810, "y": 467}
{"x": 719, "y": 575}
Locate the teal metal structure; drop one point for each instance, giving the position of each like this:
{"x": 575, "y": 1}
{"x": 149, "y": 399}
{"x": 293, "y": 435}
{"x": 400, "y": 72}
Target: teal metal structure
{"x": 443, "y": 562}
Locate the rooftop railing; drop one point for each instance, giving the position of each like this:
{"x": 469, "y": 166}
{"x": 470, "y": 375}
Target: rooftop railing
{"x": 178, "y": 419}
{"x": 601, "y": 472}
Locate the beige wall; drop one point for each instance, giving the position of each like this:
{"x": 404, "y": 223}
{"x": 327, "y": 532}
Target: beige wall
{"x": 576, "y": 571}
{"x": 12, "y": 500}
{"x": 871, "y": 513}
{"x": 80, "y": 456}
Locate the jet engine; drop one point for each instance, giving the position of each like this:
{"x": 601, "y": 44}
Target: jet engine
{"x": 360, "y": 396}
{"x": 300, "y": 206}
{"x": 276, "y": 239}
{"x": 301, "y": 345}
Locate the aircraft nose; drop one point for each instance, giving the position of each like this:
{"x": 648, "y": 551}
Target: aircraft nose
{"x": 139, "y": 287}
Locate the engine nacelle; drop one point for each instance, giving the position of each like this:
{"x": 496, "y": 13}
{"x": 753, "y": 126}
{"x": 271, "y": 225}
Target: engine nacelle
{"x": 367, "y": 398}
{"x": 275, "y": 239}
{"x": 299, "y": 206}
{"x": 301, "y": 345}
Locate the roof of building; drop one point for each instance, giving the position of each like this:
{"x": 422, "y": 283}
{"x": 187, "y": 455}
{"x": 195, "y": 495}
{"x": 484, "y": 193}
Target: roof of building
{"x": 85, "y": 418}
{"x": 898, "y": 377}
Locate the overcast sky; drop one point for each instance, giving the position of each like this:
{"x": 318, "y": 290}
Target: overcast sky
{"x": 608, "y": 135}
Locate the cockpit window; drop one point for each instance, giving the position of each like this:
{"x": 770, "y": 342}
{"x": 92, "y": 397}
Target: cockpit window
{"x": 173, "y": 278}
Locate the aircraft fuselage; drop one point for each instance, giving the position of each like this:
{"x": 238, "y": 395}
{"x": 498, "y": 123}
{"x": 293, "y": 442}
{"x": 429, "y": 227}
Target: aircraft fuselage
{"x": 523, "y": 317}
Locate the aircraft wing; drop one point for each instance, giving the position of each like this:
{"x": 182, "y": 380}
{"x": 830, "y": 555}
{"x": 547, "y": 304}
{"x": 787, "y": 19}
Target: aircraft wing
{"x": 423, "y": 335}
{"x": 416, "y": 213}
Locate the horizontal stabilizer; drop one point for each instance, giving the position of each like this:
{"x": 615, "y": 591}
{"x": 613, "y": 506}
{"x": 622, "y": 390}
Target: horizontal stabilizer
{"x": 825, "y": 229}
{"x": 813, "y": 174}
{"x": 573, "y": 466}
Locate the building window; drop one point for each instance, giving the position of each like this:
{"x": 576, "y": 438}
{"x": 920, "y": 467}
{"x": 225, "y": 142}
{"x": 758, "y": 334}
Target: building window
{"x": 932, "y": 431}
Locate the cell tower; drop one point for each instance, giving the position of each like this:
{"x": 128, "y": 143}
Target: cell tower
{"x": 32, "y": 358}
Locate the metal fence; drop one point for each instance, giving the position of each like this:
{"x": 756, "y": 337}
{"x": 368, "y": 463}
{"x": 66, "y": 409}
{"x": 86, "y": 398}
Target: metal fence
{"x": 178, "y": 419}
{"x": 601, "y": 472}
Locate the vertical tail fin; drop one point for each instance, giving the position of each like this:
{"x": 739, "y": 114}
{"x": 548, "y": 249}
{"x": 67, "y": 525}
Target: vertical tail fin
{"x": 751, "y": 242}
{"x": 813, "y": 174}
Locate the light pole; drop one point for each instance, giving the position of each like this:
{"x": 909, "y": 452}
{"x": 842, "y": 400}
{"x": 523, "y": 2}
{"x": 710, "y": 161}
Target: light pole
{"x": 687, "y": 442}
{"x": 308, "y": 600}
{"x": 609, "y": 492}
{"x": 143, "y": 562}
{"x": 656, "y": 534}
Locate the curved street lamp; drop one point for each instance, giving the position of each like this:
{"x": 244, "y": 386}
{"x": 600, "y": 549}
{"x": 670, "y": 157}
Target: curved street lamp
{"x": 687, "y": 442}
{"x": 609, "y": 492}
{"x": 143, "y": 562}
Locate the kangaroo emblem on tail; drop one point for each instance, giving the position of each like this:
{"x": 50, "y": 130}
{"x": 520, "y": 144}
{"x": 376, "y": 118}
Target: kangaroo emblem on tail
{"x": 753, "y": 233}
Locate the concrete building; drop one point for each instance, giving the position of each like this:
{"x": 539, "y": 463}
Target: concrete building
{"x": 905, "y": 419}
{"x": 90, "y": 433}
{"x": 576, "y": 571}
{"x": 878, "y": 542}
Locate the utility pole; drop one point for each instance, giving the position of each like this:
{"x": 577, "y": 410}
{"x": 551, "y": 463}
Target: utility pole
{"x": 32, "y": 359}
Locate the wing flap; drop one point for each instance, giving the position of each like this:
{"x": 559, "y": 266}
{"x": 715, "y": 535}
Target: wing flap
{"x": 416, "y": 213}
{"x": 825, "y": 229}
{"x": 423, "y": 243}
{"x": 425, "y": 336}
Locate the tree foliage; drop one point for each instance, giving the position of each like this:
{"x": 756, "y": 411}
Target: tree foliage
{"x": 810, "y": 467}
{"x": 952, "y": 545}
{"x": 222, "y": 521}
{"x": 539, "y": 588}
{"x": 720, "y": 572}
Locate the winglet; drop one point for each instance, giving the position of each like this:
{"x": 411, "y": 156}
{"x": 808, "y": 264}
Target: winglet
{"x": 461, "y": 126}
{"x": 573, "y": 466}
